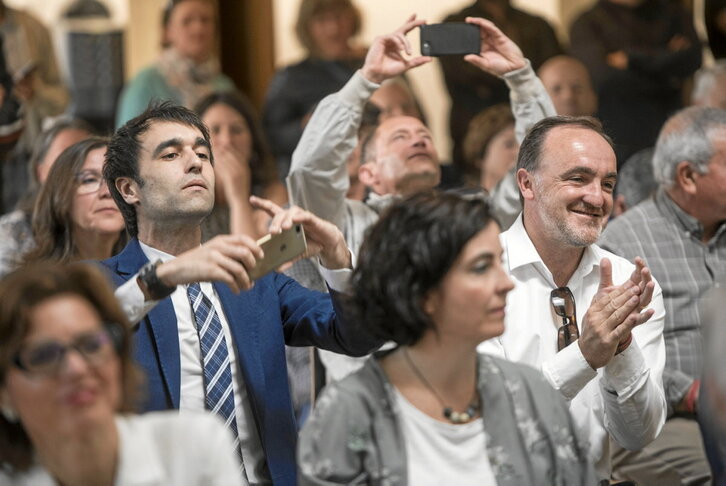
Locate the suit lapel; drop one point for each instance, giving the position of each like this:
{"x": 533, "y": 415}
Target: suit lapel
{"x": 163, "y": 325}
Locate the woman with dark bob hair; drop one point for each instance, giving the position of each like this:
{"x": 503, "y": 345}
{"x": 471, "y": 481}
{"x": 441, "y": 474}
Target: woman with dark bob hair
{"x": 68, "y": 387}
{"x": 434, "y": 411}
{"x": 243, "y": 166}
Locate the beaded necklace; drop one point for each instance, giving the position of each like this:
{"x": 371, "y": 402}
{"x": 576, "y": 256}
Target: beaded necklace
{"x": 449, "y": 413}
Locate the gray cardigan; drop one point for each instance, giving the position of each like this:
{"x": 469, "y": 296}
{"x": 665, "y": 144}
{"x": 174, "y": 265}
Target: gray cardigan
{"x": 354, "y": 435}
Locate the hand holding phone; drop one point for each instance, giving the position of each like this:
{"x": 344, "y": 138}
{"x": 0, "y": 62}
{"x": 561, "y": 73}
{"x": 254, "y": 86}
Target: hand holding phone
{"x": 279, "y": 248}
{"x": 497, "y": 54}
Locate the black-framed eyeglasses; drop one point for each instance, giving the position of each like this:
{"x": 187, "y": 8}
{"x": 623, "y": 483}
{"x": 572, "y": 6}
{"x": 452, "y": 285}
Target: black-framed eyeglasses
{"x": 563, "y": 302}
{"x": 89, "y": 181}
{"x": 47, "y": 357}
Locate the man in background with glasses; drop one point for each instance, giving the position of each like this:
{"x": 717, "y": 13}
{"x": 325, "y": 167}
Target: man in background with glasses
{"x": 592, "y": 321}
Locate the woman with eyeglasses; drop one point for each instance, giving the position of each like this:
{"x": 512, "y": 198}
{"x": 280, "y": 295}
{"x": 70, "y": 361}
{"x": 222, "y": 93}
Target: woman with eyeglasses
{"x": 68, "y": 387}
{"x": 433, "y": 411}
{"x": 75, "y": 217}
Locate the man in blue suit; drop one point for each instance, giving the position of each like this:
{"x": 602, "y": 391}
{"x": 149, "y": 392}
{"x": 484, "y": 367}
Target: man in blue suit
{"x": 159, "y": 169}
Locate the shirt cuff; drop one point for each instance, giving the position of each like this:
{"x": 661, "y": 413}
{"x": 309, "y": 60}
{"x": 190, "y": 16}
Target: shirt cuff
{"x": 522, "y": 83}
{"x": 337, "y": 279}
{"x": 675, "y": 384}
{"x": 624, "y": 370}
{"x": 568, "y": 371}
{"x": 357, "y": 90}
{"x": 132, "y": 300}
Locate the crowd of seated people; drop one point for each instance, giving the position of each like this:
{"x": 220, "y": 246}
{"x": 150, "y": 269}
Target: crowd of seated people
{"x": 541, "y": 314}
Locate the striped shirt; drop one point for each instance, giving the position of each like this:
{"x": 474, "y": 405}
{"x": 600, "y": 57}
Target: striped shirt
{"x": 669, "y": 240}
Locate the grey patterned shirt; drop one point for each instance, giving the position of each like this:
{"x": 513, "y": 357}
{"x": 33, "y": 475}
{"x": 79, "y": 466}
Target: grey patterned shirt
{"x": 669, "y": 240}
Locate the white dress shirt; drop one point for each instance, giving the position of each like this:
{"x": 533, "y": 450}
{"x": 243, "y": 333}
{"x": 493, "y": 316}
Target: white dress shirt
{"x": 192, "y": 394}
{"x": 627, "y": 399}
{"x": 161, "y": 449}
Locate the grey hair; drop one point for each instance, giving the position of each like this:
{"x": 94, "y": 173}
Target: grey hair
{"x": 705, "y": 80}
{"x": 635, "y": 178}
{"x": 686, "y": 136}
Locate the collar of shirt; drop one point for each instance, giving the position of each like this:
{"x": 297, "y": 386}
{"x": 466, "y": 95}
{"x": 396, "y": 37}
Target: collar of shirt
{"x": 520, "y": 252}
{"x": 690, "y": 225}
{"x": 378, "y": 203}
{"x": 153, "y": 254}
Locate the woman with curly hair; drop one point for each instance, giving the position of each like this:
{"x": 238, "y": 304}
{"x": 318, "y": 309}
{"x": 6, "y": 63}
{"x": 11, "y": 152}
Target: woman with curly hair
{"x": 434, "y": 411}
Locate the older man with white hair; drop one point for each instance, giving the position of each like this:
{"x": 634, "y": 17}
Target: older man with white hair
{"x": 680, "y": 233}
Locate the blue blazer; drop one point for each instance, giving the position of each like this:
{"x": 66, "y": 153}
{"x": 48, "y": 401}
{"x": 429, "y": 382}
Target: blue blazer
{"x": 277, "y": 310}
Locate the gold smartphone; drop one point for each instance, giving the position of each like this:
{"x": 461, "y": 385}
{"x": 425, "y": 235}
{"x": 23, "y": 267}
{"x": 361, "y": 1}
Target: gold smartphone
{"x": 279, "y": 248}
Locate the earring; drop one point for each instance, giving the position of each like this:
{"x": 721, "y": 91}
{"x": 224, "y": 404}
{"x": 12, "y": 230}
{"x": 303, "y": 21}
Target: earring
{"x": 9, "y": 413}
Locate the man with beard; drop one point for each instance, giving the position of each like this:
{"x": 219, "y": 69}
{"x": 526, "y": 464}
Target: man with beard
{"x": 209, "y": 337}
{"x": 610, "y": 367}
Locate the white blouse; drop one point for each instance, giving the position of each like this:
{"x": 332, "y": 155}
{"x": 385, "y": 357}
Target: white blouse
{"x": 440, "y": 453}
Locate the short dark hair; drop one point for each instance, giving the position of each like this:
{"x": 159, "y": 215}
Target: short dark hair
{"x": 122, "y": 156}
{"x": 530, "y": 152}
{"x": 22, "y": 291}
{"x": 262, "y": 163}
{"x": 406, "y": 254}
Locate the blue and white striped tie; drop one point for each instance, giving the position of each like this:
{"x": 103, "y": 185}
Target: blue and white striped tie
{"x": 218, "y": 391}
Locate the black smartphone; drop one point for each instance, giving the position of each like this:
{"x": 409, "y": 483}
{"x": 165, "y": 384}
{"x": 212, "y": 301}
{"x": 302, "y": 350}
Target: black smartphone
{"x": 449, "y": 39}
{"x": 279, "y": 248}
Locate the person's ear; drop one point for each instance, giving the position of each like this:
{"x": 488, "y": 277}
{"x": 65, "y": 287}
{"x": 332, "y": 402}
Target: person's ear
{"x": 430, "y": 304}
{"x": 685, "y": 177}
{"x": 129, "y": 189}
{"x": 368, "y": 174}
{"x": 619, "y": 206}
{"x": 525, "y": 182}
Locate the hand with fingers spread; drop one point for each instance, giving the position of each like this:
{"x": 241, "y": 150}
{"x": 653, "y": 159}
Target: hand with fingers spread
{"x": 499, "y": 54}
{"x": 613, "y": 313}
{"x": 387, "y": 56}
{"x": 225, "y": 258}
{"x": 324, "y": 239}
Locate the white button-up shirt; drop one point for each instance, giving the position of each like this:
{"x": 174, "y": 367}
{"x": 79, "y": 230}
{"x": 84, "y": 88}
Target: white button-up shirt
{"x": 627, "y": 400}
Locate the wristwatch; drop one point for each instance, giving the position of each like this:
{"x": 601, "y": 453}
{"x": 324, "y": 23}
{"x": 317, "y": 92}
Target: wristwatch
{"x": 151, "y": 286}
